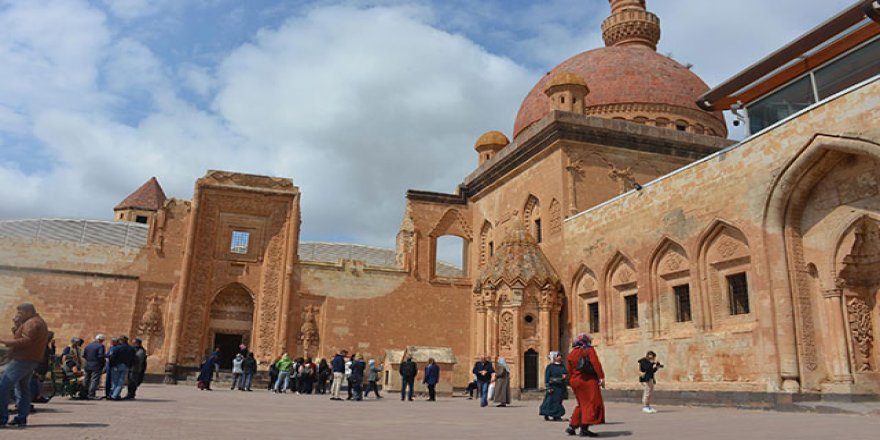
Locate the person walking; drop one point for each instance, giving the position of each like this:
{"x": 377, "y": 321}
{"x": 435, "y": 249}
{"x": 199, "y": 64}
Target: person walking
{"x": 357, "y": 377}
{"x": 338, "y": 370}
{"x": 249, "y": 368}
{"x": 408, "y": 371}
{"x": 373, "y": 379}
{"x": 432, "y": 376}
{"x": 501, "y": 396}
{"x": 121, "y": 360}
{"x": 30, "y": 336}
{"x": 206, "y": 371}
{"x": 483, "y": 371}
{"x": 238, "y": 372}
{"x": 94, "y": 356}
{"x": 284, "y": 366}
{"x": 138, "y": 369}
{"x": 648, "y": 365}
{"x": 586, "y": 382}
{"x": 555, "y": 376}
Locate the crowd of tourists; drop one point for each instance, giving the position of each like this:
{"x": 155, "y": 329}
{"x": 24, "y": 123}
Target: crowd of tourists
{"x": 33, "y": 361}
{"x": 32, "y": 357}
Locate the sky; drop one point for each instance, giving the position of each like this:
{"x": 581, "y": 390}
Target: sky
{"x": 356, "y": 101}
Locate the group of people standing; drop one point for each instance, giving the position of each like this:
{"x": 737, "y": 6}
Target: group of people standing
{"x": 33, "y": 356}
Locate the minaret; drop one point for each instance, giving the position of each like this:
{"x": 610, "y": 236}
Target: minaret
{"x": 630, "y": 24}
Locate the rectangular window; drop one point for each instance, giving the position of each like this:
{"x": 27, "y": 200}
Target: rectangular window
{"x": 491, "y": 248}
{"x": 682, "y": 302}
{"x": 538, "y": 230}
{"x": 140, "y": 219}
{"x": 593, "y": 311}
{"x": 632, "y": 310}
{"x": 738, "y": 293}
{"x": 851, "y": 69}
{"x": 781, "y": 104}
{"x": 239, "y": 243}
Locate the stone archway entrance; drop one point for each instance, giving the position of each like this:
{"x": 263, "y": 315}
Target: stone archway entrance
{"x": 231, "y": 321}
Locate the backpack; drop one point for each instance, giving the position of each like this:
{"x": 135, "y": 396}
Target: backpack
{"x": 584, "y": 366}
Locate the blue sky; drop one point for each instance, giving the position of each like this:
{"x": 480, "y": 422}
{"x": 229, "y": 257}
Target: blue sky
{"x": 357, "y": 101}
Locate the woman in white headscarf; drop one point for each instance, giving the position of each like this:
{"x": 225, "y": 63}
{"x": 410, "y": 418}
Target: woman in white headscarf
{"x": 501, "y": 396}
{"x": 555, "y": 380}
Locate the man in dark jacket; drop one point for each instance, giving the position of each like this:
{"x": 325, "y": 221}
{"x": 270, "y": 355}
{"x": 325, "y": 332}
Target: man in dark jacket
{"x": 408, "y": 371}
{"x": 338, "y": 367}
{"x": 648, "y": 365}
{"x": 121, "y": 360}
{"x": 94, "y": 359}
{"x": 138, "y": 369}
{"x": 249, "y": 367}
{"x": 483, "y": 371}
{"x": 30, "y": 335}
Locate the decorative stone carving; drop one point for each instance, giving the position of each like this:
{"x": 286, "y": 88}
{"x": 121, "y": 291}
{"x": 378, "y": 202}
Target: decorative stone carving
{"x": 548, "y": 298}
{"x": 576, "y": 170}
{"x": 727, "y": 247}
{"x": 862, "y": 330}
{"x": 309, "y": 329}
{"x": 150, "y": 324}
{"x": 555, "y": 212}
{"x": 518, "y": 261}
{"x": 248, "y": 180}
{"x": 505, "y": 334}
{"x": 452, "y": 221}
{"x": 624, "y": 276}
{"x": 673, "y": 262}
{"x": 861, "y": 268}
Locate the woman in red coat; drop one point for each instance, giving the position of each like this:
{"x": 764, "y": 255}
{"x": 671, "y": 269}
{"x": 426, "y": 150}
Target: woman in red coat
{"x": 590, "y": 408}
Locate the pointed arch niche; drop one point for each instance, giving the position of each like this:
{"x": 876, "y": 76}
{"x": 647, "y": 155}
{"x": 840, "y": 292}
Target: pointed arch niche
{"x": 621, "y": 300}
{"x": 532, "y": 218}
{"x": 588, "y": 315}
{"x": 672, "y": 290}
{"x": 487, "y": 243}
{"x": 725, "y": 262}
{"x": 453, "y": 224}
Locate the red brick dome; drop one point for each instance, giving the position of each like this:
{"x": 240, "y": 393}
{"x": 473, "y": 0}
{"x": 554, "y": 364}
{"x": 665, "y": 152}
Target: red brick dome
{"x": 625, "y": 75}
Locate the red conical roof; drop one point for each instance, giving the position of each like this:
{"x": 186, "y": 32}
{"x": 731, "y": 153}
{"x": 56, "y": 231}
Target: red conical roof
{"x": 149, "y": 197}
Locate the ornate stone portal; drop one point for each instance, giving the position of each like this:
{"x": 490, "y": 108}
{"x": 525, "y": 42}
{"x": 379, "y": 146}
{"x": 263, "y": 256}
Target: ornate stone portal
{"x": 517, "y": 303}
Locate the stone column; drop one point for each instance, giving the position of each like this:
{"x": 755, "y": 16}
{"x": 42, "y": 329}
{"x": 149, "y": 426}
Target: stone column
{"x": 841, "y": 371}
{"x": 546, "y": 327}
{"x": 492, "y": 332}
{"x": 481, "y": 330}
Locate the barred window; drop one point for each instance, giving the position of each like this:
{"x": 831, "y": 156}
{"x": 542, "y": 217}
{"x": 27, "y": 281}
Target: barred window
{"x": 239, "y": 243}
{"x": 738, "y": 293}
{"x": 632, "y": 311}
{"x": 593, "y": 312}
{"x": 682, "y": 302}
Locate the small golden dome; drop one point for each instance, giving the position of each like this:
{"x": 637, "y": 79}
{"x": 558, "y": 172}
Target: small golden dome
{"x": 564, "y": 79}
{"x": 491, "y": 138}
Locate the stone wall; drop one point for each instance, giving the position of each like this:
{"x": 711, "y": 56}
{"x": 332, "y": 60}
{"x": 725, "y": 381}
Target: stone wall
{"x": 728, "y": 215}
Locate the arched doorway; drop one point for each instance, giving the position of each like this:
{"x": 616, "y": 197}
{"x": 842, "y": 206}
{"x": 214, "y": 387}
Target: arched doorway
{"x": 231, "y": 321}
{"x": 530, "y": 370}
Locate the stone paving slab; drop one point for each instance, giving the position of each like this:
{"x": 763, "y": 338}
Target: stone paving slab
{"x": 185, "y": 413}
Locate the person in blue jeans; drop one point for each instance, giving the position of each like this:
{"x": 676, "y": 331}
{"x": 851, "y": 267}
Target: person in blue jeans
{"x": 249, "y": 365}
{"x": 121, "y": 360}
{"x": 483, "y": 371}
{"x": 28, "y": 346}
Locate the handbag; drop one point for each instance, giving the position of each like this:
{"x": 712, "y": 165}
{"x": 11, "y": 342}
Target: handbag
{"x": 584, "y": 366}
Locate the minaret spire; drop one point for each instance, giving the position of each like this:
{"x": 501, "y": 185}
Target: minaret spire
{"x": 630, "y": 24}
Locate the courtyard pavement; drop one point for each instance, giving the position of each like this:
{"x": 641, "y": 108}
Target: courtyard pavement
{"x": 185, "y": 413}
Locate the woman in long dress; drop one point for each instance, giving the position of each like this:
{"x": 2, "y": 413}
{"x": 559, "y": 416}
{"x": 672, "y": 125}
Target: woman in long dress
{"x": 555, "y": 376}
{"x": 206, "y": 372}
{"x": 501, "y": 395}
{"x": 590, "y": 408}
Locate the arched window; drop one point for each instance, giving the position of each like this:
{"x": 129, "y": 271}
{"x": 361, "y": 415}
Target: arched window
{"x": 671, "y": 299}
{"x": 725, "y": 261}
{"x": 532, "y": 218}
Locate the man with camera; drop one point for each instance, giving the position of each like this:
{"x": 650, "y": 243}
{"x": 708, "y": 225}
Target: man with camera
{"x": 648, "y": 365}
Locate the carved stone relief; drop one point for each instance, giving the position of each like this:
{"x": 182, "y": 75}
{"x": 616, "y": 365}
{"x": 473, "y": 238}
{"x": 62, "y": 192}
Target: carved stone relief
{"x": 309, "y": 329}
{"x": 506, "y": 331}
{"x": 862, "y": 330}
